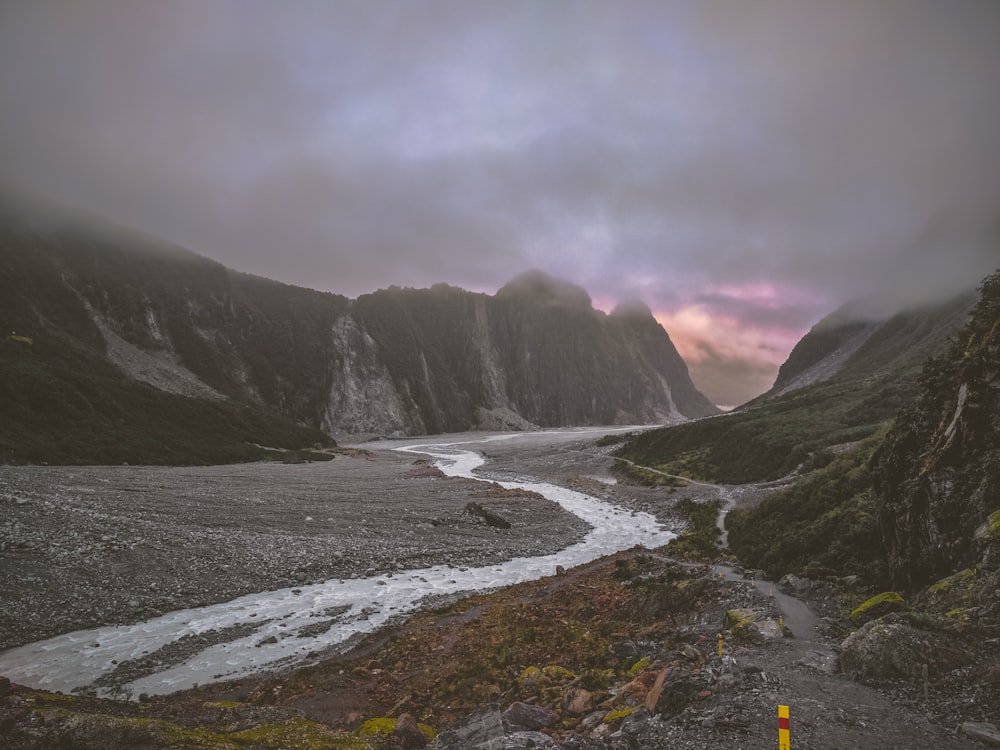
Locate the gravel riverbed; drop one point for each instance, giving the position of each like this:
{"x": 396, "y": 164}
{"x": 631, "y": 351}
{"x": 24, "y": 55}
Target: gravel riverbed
{"x": 87, "y": 546}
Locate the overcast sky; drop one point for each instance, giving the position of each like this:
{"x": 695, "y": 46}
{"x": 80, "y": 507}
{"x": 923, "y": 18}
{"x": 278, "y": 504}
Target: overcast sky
{"x": 744, "y": 167}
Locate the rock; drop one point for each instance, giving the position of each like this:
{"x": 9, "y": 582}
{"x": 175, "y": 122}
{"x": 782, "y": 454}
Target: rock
{"x": 795, "y": 584}
{"x": 527, "y": 740}
{"x": 4, "y": 686}
{"x": 592, "y": 720}
{"x": 691, "y": 653}
{"x": 672, "y": 692}
{"x": 653, "y": 694}
{"x": 578, "y": 701}
{"x": 480, "y": 730}
{"x": 523, "y": 716}
{"x": 636, "y": 691}
{"x": 878, "y": 606}
{"x": 982, "y": 731}
{"x": 408, "y": 734}
{"x": 884, "y": 648}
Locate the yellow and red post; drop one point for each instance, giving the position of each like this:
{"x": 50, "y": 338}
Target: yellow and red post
{"x": 784, "y": 741}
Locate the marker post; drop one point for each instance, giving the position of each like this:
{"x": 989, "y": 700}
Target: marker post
{"x": 784, "y": 741}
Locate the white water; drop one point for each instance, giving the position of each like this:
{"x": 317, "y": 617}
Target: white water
{"x": 75, "y": 660}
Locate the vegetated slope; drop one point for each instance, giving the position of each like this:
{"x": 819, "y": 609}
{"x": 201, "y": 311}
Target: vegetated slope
{"x": 825, "y": 524}
{"x": 155, "y": 354}
{"x": 769, "y": 437}
{"x": 937, "y": 474}
{"x": 113, "y": 358}
{"x": 913, "y": 504}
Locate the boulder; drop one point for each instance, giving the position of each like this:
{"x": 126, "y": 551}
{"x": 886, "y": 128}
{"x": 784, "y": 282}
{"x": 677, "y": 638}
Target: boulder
{"x": 983, "y": 731}
{"x": 795, "y": 584}
{"x": 674, "y": 690}
{"x": 480, "y": 730}
{"x": 578, "y": 701}
{"x": 407, "y": 734}
{"x": 889, "y": 648}
{"x": 878, "y": 606}
{"x": 523, "y": 716}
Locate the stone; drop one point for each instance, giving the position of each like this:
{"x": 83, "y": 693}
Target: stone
{"x": 690, "y": 653}
{"x": 578, "y": 701}
{"x": 523, "y": 716}
{"x": 795, "y": 584}
{"x": 679, "y": 690}
{"x": 878, "y": 606}
{"x": 480, "y": 730}
{"x": 408, "y": 734}
{"x": 885, "y": 648}
{"x": 653, "y": 695}
{"x": 982, "y": 731}
{"x": 636, "y": 691}
{"x": 5, "y": 687}
{"x": 526, "y": 741}
{"x": 592, "y": 720}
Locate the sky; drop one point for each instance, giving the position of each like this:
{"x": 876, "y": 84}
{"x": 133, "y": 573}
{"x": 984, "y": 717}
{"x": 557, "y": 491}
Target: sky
{"x": 742, "y": 167}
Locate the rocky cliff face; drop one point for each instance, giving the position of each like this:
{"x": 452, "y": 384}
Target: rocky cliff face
{"x": 399, "y": 361}
{"x": 937, "y": 475}
{"x": 861, "y": 340}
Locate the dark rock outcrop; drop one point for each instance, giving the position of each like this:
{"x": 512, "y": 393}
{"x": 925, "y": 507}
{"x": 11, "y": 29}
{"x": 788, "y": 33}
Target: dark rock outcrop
{"x": 937, "y": 474}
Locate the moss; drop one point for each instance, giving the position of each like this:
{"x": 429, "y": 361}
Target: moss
{"x": 558, "y": 674}
{"x": 385, "y": 725}
{"x": 993, "y": 525}
{"x": 140, "y": 731}
{"x": 959, "y": 578}
{"x": 616, "y": 715}
{"x": 640, "y": 666}
{"x": 887, "y": 601}
{"x": 299, "y": 732}
{"x": 739, "y": 618}
{"x": 222, "y": 704}
{"x": 530, "y": 676}
{"x": 372, "y": 727}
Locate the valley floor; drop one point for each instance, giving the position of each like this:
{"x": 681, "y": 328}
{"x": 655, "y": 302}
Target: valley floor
{"x": 86, "y": 546}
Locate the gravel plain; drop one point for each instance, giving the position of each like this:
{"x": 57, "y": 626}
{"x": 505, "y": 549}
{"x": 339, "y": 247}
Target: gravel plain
{"x": 87, "y": 546}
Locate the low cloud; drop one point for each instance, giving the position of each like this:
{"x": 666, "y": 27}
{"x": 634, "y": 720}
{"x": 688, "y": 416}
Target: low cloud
{"x": 749, "y": 167}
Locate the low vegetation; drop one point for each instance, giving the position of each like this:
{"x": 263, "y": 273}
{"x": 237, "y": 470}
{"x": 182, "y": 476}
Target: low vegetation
{"x": 823, "y": 525}
{"x": 60, "y": 404}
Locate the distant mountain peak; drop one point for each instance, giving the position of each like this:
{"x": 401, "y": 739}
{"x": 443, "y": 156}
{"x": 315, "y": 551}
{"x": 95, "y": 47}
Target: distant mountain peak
{"x": 632, "y": 308}
{"x": 544, "y": 289}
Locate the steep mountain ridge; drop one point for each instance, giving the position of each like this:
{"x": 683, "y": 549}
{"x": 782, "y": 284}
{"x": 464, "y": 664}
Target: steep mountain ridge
{"x": 398, "y": 361}
{"x": 859, "y": 340}
{"x": 848, "y": 375}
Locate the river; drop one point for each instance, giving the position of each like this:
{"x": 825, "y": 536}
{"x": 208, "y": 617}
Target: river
{"x": 282, "y": 628}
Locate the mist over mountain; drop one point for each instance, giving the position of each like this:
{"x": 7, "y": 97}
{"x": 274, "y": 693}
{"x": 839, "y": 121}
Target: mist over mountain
{"x": 119, "y": 321}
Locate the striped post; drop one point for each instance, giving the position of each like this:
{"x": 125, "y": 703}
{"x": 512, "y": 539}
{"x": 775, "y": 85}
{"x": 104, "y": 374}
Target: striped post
{"x": 784, "y": 741}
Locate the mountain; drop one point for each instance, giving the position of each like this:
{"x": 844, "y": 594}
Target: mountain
{"x": 127, "y": 348}
{"x": 862, "y": 340}
{"x": 853, "y": 371}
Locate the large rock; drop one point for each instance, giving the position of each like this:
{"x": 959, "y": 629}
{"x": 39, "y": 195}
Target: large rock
{"x": 480, "y": 730}
{"x": 407, "y": 734}
{"x": 982, "y": 731}
{"x": 523, "y": 716}
{"x": 878, "y": 606}
{"x": 888, "y": 648}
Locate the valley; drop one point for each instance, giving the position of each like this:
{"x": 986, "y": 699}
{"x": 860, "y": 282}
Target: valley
{"x": 109, "y": 546}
